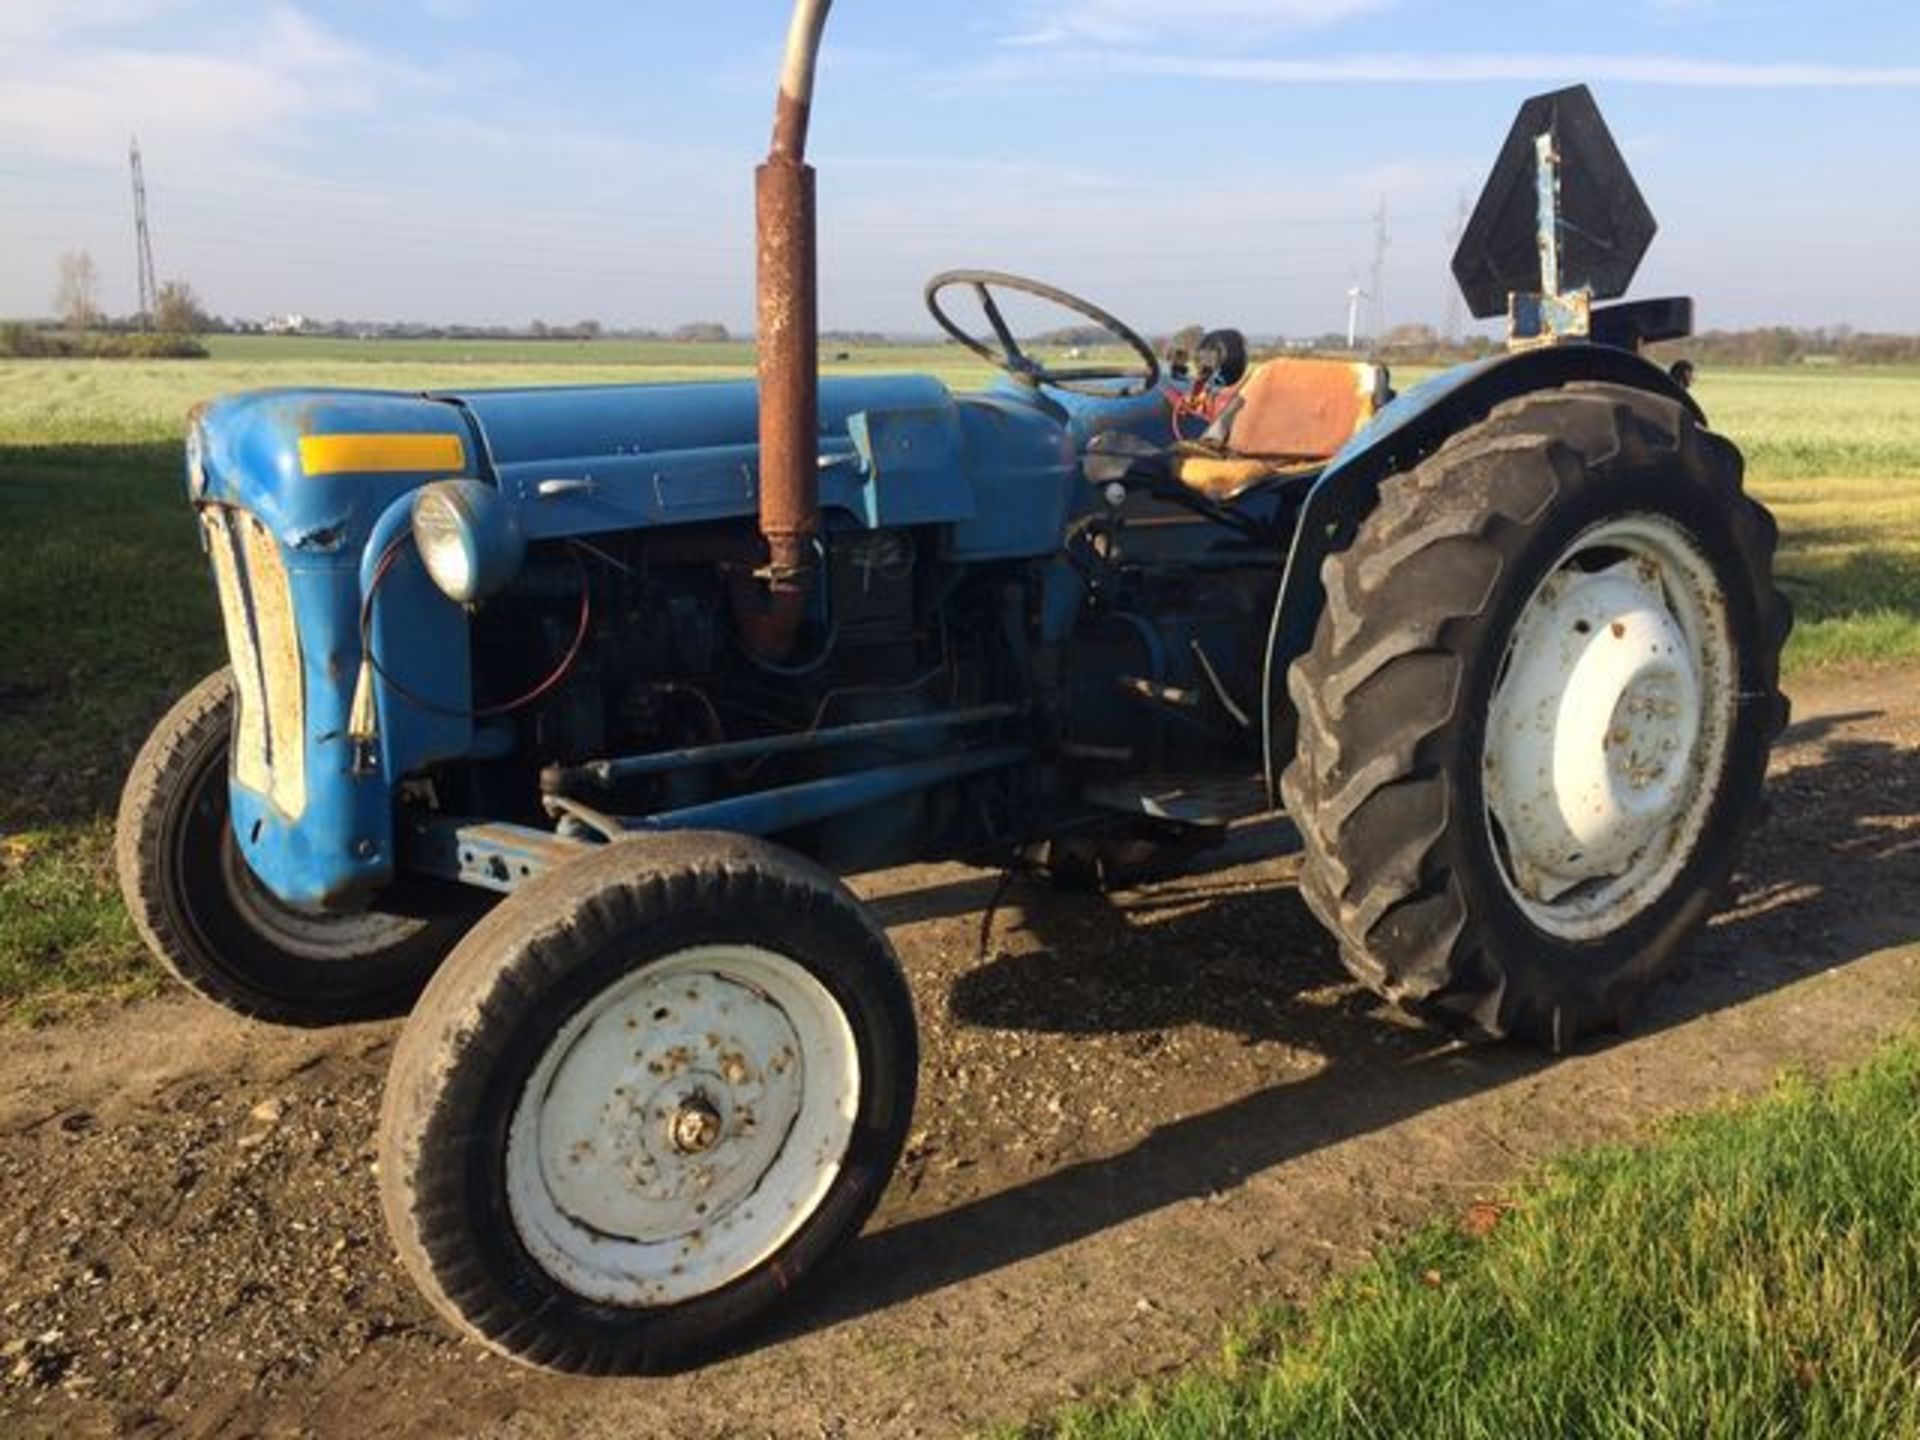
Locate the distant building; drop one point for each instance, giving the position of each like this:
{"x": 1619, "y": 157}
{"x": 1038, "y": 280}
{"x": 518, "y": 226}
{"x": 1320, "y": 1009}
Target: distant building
{"x": 284, "y": 324}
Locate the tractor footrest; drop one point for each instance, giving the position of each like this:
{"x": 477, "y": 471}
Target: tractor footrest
{"x": 1209, "y": 800}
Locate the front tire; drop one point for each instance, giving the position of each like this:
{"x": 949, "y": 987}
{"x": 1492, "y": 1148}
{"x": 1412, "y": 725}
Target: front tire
{"x": 219, "y": 931}
{"x": 1535, "y": 718}
{"x": 645, "y": 1098}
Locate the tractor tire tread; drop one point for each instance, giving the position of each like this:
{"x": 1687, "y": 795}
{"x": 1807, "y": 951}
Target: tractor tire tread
{"x": 511, "y": 957}
{"x": 241, "y": 970}
{"x": 1368, "y": 786}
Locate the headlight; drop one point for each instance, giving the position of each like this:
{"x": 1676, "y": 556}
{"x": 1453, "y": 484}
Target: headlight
{"x": 468, "y": 537}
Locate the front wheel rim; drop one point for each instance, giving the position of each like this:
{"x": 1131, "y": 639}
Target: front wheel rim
{"x": 1609, "y": 727}
{"x": 322, "y": 936}
{"x": 682, "y": 1126}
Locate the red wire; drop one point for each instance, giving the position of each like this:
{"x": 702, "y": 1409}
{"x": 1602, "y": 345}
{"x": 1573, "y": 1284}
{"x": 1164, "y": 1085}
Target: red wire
{"x": 1177, "y": 403}
{"x": 560, "y": 671}
{"x": 481, "y": 712}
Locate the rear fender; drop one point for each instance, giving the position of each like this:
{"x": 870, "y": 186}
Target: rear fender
{"x": 1410, "y": 428}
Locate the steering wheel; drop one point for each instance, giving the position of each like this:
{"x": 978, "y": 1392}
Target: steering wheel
{"x": 1016, "y": 362}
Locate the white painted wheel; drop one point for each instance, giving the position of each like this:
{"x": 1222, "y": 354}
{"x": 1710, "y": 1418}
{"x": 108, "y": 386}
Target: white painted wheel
{"x": 1535, "y": 716}
{"x": 644, "y": 1101}
{"x": 1609, "y": 726}
{"x": 682, "y": 1126}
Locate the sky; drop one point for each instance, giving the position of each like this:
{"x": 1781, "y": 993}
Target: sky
{"x": 1210, "y": 161}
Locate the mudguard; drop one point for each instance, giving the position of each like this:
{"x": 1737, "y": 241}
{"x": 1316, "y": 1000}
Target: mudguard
{"x": 1410, "y": 428}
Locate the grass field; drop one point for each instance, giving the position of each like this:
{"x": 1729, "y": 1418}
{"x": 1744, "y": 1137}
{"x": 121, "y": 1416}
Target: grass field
{"x": 52, "y": 402}
{"x": 106, "y": 614}
{"x": 1836, "y": 454}
{"x": 1749, "y": 1275}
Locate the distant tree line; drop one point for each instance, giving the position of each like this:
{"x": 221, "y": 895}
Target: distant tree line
{"x": 20, "y": 341}
{"x": 1769, "y": 345}
{"x": 1781, "y": 345}
{"x": 82, "y": 328}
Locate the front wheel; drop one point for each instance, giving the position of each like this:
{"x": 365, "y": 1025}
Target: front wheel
{"x": 645, "y": 1097}
{"x": 210, "y": 921}
{"x": 1535, "y": 718}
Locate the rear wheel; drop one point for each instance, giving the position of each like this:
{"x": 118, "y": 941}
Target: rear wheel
{"x": 212, "y": 923}
{"x": 1535, "y": 718}
{"x": 644, "y": 1099}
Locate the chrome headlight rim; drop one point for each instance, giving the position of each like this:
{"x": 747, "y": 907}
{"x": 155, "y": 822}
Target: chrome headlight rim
{"x": 469, "y": 539}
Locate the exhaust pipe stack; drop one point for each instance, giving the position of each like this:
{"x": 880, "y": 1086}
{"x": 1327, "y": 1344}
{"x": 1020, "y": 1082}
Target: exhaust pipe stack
{"x": 788, "y": 340}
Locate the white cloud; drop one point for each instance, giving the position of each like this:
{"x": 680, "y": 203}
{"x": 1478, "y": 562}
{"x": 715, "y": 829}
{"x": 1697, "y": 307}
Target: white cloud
{"x": 73, "y": 87}
{"x": 37, "y": 23}
{"x": 1409, "y": 68}
{"x": 1121, "y": 22}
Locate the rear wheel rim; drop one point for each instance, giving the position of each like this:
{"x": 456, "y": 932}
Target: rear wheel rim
{"x": 1609, "y": 727}
{"x": 682, "y": 1126}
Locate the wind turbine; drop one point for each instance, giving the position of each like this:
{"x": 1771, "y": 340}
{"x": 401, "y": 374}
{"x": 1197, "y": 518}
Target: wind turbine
{"x": 1354, "y": 296}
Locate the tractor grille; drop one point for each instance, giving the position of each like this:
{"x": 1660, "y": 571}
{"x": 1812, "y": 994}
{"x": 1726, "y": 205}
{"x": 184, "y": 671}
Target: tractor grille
{"x": 269, "y": 743}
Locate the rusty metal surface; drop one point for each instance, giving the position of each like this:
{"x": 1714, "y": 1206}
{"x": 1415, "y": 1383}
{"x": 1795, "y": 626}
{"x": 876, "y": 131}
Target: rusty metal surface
{"x": 788, "y": 324}
{"x": 795, "y": 103}
{"x": 767, "y": 613}
{"x": 789, "y": 376}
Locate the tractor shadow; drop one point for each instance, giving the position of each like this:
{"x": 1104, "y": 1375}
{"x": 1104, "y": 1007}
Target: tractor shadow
{"x": 1845, "y": 825}
{"x": 110, "y": 618}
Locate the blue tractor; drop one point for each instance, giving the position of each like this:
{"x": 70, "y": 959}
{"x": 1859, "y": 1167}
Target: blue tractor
{"x": 552, "y": 715}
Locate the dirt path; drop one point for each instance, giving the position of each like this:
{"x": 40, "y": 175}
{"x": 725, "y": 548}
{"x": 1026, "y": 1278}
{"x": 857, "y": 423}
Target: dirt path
{"x": 1143, "y": 1114}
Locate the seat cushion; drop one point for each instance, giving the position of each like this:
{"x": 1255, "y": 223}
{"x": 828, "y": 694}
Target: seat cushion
{"x": 1220, "y": 476}
{"x": 1302, "y": 409}
{"x": 1289, "y": 417}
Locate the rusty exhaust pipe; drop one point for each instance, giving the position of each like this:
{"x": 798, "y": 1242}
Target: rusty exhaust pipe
{"x": 787, "y": 333}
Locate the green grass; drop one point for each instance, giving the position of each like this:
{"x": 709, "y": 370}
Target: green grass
{"x": 63, "y": 932}
{"x": 112, "y": 401}
{"x": 105, "y": 617}
{"x": 106, "y": 613}
{"x": 1836, "y": 455}
{"x": 316, "y": 349}
{"x": 1750, "y": 1273}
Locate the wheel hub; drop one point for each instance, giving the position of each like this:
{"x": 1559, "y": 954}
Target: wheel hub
{"x": 682, "y": 1124}
{"x": 696, "y": 1126}
{"x": 1596, "y": 733}
{"x": 669, "y": 1106}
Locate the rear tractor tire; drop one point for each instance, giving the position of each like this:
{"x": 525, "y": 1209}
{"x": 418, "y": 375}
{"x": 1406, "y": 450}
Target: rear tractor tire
{"x": 1535, "y": 717}
{"x": 220, "y": 931}
{"x": 649, "y": 1094}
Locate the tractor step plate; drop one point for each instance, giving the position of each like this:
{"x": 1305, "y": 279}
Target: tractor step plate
{"x": 1184, "y": 799}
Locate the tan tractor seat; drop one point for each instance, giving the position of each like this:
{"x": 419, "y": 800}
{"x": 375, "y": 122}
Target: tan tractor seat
{"x": 1290, "y": 416}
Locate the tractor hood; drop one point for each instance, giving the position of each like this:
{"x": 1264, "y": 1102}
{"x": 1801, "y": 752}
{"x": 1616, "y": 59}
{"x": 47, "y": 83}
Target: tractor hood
{"x": 303, "y": 491}
{"x": 320, "y": 467}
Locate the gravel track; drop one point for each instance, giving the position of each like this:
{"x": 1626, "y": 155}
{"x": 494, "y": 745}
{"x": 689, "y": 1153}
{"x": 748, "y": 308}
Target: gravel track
{"x": 1139, "y": 1115}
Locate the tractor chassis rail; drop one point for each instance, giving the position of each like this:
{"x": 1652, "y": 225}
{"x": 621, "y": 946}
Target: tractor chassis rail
{"x": 568, "y": 779}
{"x": 501, "y": 856}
